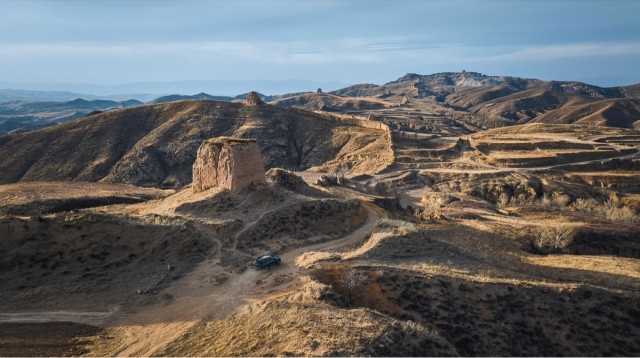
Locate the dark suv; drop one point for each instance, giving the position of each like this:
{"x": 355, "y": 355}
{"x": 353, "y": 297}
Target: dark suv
{"x": 267, "y": 261}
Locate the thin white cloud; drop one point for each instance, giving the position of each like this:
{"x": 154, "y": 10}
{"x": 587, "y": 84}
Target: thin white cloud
{"x": 275, "y": 52}
{"x": 342, "y": 51}
{"x": 565, "y": 51}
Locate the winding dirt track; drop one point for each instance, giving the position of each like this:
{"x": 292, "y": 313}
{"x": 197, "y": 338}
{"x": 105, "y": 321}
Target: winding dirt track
{"x": 151, "y": 328}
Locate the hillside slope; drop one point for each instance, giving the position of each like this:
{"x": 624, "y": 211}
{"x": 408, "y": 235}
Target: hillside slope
{"x": 205, "y": 97}
{"x": 330, "y": 102}
{"x": 155, "y": 145}
{"x": 632, "y": 90}
{"x": 496, "y": 101}
{"x": 436, "y": 86}
{"x": 624, "y": 113}
{"x": 196, "y": 97}
{"x": 522, "y": 106}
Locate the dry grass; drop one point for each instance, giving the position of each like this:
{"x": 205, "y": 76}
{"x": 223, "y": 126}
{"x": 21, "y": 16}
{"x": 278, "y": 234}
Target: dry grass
{"x": 624, "y": 270}
{"x": 553, "y": 239}
{"x": 555, "y": 200}
{"x": 624, "y": 214}
{"x": 33, "y": 198}
{"x": 300, "y": 323}
{"x": 613, "y": 209}
{"x": 616, "y": 211}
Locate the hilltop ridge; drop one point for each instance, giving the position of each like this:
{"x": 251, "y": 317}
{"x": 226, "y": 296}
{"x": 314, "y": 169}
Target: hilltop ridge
{"x": 155, "y": 145}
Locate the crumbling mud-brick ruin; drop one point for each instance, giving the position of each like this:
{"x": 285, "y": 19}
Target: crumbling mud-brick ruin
{"x": 253, "y": 99}
{"x": 227, "y": 163}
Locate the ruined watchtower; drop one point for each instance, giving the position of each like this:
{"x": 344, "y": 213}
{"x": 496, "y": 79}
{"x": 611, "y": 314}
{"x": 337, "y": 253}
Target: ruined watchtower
{"x": 253, "y": 99}
{"x": 227, "y": 163}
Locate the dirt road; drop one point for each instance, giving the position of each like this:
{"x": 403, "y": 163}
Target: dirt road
{"x": 152, "y": 329}
{"x": 144, "y": 330}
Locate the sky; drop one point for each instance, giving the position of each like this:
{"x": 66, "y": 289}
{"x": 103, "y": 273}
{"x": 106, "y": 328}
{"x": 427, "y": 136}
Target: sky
{"x": 189, "y": 45}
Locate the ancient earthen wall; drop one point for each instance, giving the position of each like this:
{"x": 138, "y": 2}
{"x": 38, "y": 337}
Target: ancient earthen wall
{"x": 205, "y": 167}
{"x": 367, "y": 123}
{"x": 245, "y": 166}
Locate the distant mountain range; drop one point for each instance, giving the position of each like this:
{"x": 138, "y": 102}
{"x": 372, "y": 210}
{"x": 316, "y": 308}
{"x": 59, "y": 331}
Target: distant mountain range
{"x": 205, "y": 96}
{"x": 494, "y": 101}
{"x": 9, "y": 95}
{"x": 489, "y": 101}
{"x": 146, "y": 91}
{"x": 21, "y": 115}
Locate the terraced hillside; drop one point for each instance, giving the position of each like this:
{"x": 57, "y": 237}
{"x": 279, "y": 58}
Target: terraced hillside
{"x": 547, "y": 146}
{"x": 491, "y": 163}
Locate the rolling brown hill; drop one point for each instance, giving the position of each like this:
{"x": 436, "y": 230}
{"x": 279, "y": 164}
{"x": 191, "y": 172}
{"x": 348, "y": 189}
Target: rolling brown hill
{"x": 624, "y": 113}
{"x": 439, "y": 85}
{"x": 436, "y": 86}
{"x": 632, "y": 90}
{"x": 469, "y": 97}
{"x": 330, "y": 102}
{"x": 524, "y": 105}
{"x": 497, "y": 101}
{"x": 155, "y": 145}
{"x": 357, "y": 90}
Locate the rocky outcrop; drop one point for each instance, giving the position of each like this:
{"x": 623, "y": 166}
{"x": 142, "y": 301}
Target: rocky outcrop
{"x": 285, "y": 178}
{"x": 253, "y": 99}
{"x": 227, "y": 163}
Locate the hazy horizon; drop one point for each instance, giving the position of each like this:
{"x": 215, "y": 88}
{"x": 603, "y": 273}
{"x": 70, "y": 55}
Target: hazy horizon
{"x": 159, "y": 88}
{"x": 141, "y": 46}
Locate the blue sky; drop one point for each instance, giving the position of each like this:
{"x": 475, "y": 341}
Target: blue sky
{"x": 116, "y": 42}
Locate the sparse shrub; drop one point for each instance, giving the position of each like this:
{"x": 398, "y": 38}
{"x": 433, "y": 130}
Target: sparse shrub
{"x": 585, "y": 204}
{"x": 616, "y": 211}
{"x": 506, "y": 192}
{"x": 555, "y": 200}
{"x": 553, "y": 239}
{"x": 560, "y": 199}
{"x": 431, "y": 206}
{"x": 624, "y": 213}
{"x": 353, "y": 282}
{"x": 614, "y": 200}
{"x": 613, "y": 209}
{"x": 503, "y": 200}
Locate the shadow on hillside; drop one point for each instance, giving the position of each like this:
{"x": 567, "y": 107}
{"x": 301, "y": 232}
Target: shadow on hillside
{"x": 496, "y": 318}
